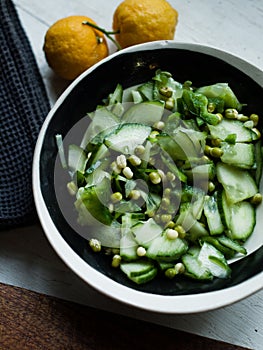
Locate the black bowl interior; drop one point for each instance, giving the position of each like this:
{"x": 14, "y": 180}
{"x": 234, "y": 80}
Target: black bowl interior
{"x": 130, "y": 69}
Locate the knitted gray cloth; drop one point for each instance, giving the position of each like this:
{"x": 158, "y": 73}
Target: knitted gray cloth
{"x": 23, "y": 106}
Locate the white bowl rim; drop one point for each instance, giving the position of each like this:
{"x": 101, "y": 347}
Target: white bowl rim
{"x": 178, "y": 304}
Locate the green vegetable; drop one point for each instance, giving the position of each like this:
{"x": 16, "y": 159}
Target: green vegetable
{"x": 170, "y": 181}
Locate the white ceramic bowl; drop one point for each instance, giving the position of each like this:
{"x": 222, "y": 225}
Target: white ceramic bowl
{"x": 200, "y": 64}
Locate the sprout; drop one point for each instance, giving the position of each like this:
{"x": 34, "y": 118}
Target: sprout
{"x": 254, "y": 117}
{"x": 231, "y": 113}
{"x": 159, "y": 125}
{"x": 256, "y": 199}
{"x": 139, "y": 150}
{"x": 155, "y": 178}
{"x": 166, "y": 91}
{"x": 127, "y": 172}
{"x": 121, "y": 161}
{"x": 135, "y": 194}
{"x": 216, "y": 152}
{"x": 171, "y": 234}
{"x": 141, "y": 251}
{"x": 116, "y": 197}
{"x": 169, "y": 104}
{"x": 134, "y": 160}
{"x": 116, "y": 260}
{"x": 95, "y": 245}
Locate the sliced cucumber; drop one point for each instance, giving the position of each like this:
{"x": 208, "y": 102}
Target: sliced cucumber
{"x": 136, "y": 268}
{"x": 103, "y": 122}
{"x": 213, "y": 216}
{"x": 223, "y": 92}
{"x": 197, "y": 230}
{"x": 146, "y": 113}
{"x": 128, "y": 247}
{"x": 127, "y": 137}
{"x": 169, "y": 145}
{"x": 228, "y": 252}
{"x": 228, "y": 127}
{"x": 241, "y": 155}
{"x": 187, "y": 220}
{"x": 202, "y": 173}
{"x": 212, "y": 259}
{"x": 77, "y": 159}
{"x": 116, "y": 96}
{"x": 96, "y": 177}
{"x": 238, "y": 184}
{"x": 164, "y": 265}
{"x": 188, "y": 142}
{"x": 230, "y": 243}
{"x": 195, "y": 269}
{"x": 109, "y": 236}
{"x": 140, "y": 271}
{"x": 136, "y": 96}
{"x": 162, "y": 248}
{"x": 146, "y": 90}
{"x": 146, "y": 231}
{"x": 239, "y": 217}
{"x": 102, "y": 153}
{"x": 146, "y": 277}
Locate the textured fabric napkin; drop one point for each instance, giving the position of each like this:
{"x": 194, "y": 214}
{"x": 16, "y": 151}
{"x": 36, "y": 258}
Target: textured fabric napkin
{"x": 23, "y": 106}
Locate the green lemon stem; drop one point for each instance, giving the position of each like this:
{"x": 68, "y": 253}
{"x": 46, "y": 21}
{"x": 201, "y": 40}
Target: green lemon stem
{"x": 107, "y": 33}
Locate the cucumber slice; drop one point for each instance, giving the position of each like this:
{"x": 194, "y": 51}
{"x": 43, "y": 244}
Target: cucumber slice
{"x": 146, "y": 90}
{"x": 197, "y": 230}
{"x": 223, "y": 92}
{"x": 136, "y": 268}
{"x": 146, "y": 277}
{"x": 228, "y": 252}
{"x": 102, "y": 152}
{"x": 195, "y": 269}
{"x": 189, "y": 222}
{"x": 146, "y": 113}
{"x": 116, "y": 96}
{"x": 201, "y": 173}
{"x": 241, "y": 155}
{"x": 136, "y": 96}
{"x": 164, "y": 265}
{"x": 227, "y": 127}
{"x": 91, "y": 203}
{"x": 230, "y": 243}
{"x": 146, "y": 231}
{"x": 162, "y": 248}
{"x": 102, "y": 123}
{"x": 180, "y": 144}
{"x": 128, "y": 247}
{"x": 77, "y": 159}
{"x": 240, "y": 218}
{"x": 140, "y": 271}
{"x": 168, "y": 144}
{"x": 212, "y": 259}
{"x": 127, "y": 137}
{"x": 238, "y": 184}
{"x": 109, "y": 236}
{"x": 212, "y": 215}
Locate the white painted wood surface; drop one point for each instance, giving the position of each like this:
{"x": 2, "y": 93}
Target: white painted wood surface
{"x": 26, "y": 258}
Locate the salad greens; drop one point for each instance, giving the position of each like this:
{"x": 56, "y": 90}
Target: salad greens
{"x": 166, "y": 179}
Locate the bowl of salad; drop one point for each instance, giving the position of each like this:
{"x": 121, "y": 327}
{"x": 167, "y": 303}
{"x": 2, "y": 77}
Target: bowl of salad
{"x": 147, "y": 177}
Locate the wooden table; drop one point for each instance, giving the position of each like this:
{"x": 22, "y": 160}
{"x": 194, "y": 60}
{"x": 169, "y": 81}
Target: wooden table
{"x": 43, "y": 304}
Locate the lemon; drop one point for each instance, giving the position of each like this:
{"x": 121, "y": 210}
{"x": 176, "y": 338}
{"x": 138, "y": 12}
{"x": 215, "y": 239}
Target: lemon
{"x": 138, "y": 21}
{"x": 71, "y": 47}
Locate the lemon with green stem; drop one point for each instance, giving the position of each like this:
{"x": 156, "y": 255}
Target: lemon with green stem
{"x": 71, "y": 47}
